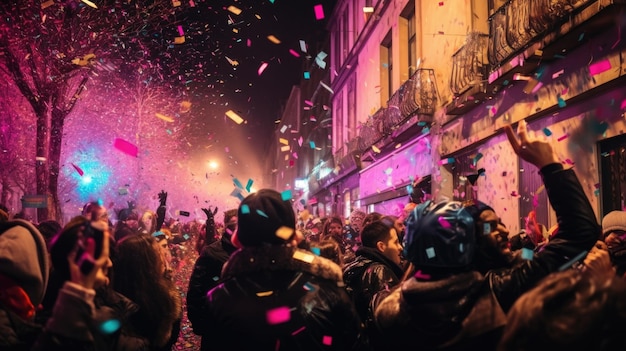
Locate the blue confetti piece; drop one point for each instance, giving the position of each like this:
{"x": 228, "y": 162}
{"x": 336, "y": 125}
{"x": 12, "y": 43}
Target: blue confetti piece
{"x": 571, "y": 262}
{"x": 307, "y": 75}
{"x": 309, "y": 287}
{"x": 561, "y": 102}
{"x": 316, "y": 250}
{"x": 421, "y": 124}
{"x": 249, "y": 185}
{"x": 237, "y": 183}
{"x": 505, "y": 83}
{"x": 216, "y": 278}
{"x": 312, "y": 144}
{"x": 245, "y": 209}
{"x": 547, "y": 131}
{"x": 286, "y": 195}
{"x": 261, "y": 213}
{"x": 581, "y": 36}
{"x": 110, "y": 326}
{"x": 527, "y": 254}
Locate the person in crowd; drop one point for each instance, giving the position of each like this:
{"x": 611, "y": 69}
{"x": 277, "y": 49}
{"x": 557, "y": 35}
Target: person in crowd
{"x": 334, "y": 230}
{"x": 49, "y": 228}
{"x": 148, "y": 223}
{"x": 328, "y": 248}
{"x": 371, "y": 217}
{"x": 355, "y": 220}
{"x": 274, "y": 295}
{"x": 24, "y": 272}
{"x": 139, "y": 274}
{"x": 111, "y": 328}
{"x": 614, "y": 234}
{"x": 207, "y": 271}
{"x": 161, "y": 238}
{"x": 127, "y": 222}
{"x": 398, "y": 223}
{"x": 4, "y": 213}
{"x": 448, "y": 303}
{"x": 569, "y": 310}
{"x": 377, "y": 267}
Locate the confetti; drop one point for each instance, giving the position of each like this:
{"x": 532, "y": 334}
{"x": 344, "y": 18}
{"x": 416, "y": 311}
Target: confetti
{"x": 110, "y": 326}
{"x": 571, "y": 262}
{"x": 430, "y": 252}
{"x": 235, "y": 117}
{"x": 302, "y": 46}
{"x": 262, "y": 68}
{"x": 312, "y": 144}
{"x": 179, "y": 40}
{"x": 561, "y": 138}
{"x": 319, "y": 12}
{"x": 90, "y": 4}
{"x": 298, "y": 331}
{"x": 286, "y": 195}
{"x": 284, "y": 232}
{"x": 327, "y": 340}
{"x": 273, "y": 39}
{"x": 294, "y": 53}
{"x": 444, "y": 223}
{"x": 599, "y": 67}
{"x": 527, "y": 254}
{"x": 80, "y": 171}
{"x": 164, "y": 117}
{"x": 368, "y": 9}
{"x": 303, "y": 256}
{"x": 316, "y": 250}
{"x": 307, "y": 75}
{"x": 278, "y": 315}
{"x": 249, "y": 185}
{"x": 262, "y": 214}
{"x": 125, "y": 147}
{"x": 245, "y": 209}
{"x": 547, "y": 131}
{"x": 234, "y": 10}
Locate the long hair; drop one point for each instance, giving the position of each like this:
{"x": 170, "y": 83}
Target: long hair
{"x": 138, "y": 268}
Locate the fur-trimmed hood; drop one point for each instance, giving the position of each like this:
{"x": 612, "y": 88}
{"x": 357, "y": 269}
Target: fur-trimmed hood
{"x": 280, "y": 257}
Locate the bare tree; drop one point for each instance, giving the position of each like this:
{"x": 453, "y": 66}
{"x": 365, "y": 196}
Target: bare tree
{"x": 49, "y": 50}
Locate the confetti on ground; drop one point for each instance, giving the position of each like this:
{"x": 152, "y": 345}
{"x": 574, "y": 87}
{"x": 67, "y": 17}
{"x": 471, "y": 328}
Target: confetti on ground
{"x": 599, "y": 67}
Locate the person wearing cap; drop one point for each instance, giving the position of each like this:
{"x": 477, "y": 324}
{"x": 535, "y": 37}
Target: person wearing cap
{"x": 448, "y": 303}
{"x": 274, "y": 295}
{"x": 614, "y": 235}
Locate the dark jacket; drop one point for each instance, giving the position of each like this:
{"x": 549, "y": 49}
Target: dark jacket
{"x": 368, "y": 274}
{"x": 466, "y": 311}
{"x": 204, "y": 277}
{"x": 280, "y": 297}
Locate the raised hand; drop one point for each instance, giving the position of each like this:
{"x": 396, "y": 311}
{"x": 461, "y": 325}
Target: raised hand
{"x": 538, "y": 152}
{"x": 162, "y": 198}
{"x": 88, "y": 279}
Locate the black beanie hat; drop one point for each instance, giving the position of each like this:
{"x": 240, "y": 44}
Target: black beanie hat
{"x": 260, "y": 217}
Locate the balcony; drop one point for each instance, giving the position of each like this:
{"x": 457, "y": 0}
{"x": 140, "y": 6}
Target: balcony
{"x": 470, "y": 69}
{"x": 525, "y": 33}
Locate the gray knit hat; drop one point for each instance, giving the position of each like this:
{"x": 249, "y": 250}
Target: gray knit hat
{"x": 614, "y": 220}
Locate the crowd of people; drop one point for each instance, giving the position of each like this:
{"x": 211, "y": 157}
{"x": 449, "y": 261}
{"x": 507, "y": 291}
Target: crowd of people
{"x": 443, "y": 275}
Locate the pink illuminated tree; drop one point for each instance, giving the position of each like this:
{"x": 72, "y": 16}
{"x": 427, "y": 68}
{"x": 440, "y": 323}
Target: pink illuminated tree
{"x": 50, "y": 49}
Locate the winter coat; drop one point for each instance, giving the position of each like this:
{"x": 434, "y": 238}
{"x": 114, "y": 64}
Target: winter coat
{"x": 204, "y": 277}
{"x": 368, "y": 274}
{"x": 278, "y": 297}
{"x": 467, "y": 311}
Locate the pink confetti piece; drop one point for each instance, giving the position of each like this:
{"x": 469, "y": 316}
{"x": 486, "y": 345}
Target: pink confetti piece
{"x": 440, "y": 3}
{"x": 622, "y": 105}
{"x": 298, "y": 331}
{"x": 444, "y": 223}
{"x": 568, "y": 161}
{"x": 599, "y": 67}
{"x": 561, "y": 138}
{"x": 249, "y": 43}
{"x": 319, "y": 12}
{"x": 294, "y": 53}
{"x": 125, "y": 147}
{"x": 262, "y": 68}
{"x": 181, "y": 31}
{"x": 327, "y": 340}
{"x": 80, "y": 171}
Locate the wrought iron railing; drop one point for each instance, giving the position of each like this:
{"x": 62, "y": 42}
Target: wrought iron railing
{"x": 518, "y": 23}
{"x": 470, "y": 66}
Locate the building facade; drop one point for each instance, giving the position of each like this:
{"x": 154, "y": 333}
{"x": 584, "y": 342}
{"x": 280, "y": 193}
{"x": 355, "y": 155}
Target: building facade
{"x": 422, "y": 89}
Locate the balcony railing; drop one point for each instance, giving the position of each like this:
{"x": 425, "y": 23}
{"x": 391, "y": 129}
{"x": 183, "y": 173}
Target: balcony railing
{"x": 470, "y": 66}
{"x": 520, "y": 22}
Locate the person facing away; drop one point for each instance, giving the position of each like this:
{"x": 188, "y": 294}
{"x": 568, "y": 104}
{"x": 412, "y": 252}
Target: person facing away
{"x": 273, "y": 295}
{"x": 572, "y": 310}
{"x": 208, "y": 270}
{"x": 140, "y": 274}
{"x": 448, "y": 303}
